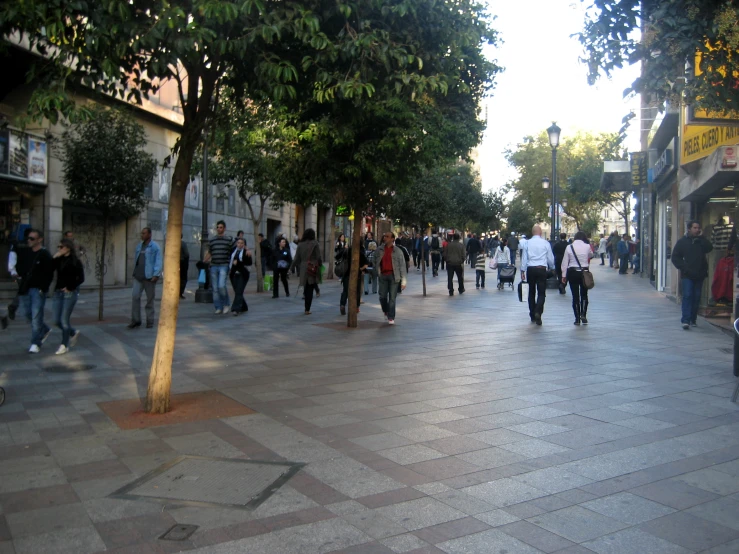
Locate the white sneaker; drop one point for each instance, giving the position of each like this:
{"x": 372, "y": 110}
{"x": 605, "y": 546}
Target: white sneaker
{"x": 219, "y": 311}
{"x": 34, "y": 349}
{"x": 73, "y": 339}
{"x": 61, "y": 350}
{"x": 391, "y": 322}
{"x": 226, "y": 309}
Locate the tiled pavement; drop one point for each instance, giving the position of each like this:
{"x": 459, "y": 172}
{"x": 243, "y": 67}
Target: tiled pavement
{"x": 463, "y": 429}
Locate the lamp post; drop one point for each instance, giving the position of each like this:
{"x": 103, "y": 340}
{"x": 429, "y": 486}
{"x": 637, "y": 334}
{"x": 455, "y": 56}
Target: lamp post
{"x": 553, "y": 133}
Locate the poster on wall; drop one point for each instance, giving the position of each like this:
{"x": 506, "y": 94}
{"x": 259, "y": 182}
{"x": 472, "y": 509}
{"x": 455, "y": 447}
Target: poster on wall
{"x": 18, "y": 148}
{"x": 231, "y": 201}
{"x": 4, "y": 152}
{"x": 164, "y": 184}
{"x": 193, "y": 192}
{"x": 37, "y": 160}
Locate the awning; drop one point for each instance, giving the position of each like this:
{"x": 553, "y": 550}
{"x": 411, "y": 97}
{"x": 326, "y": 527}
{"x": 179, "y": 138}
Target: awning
{"x": 23, "y": 188}
{"x": 715, "y": 173}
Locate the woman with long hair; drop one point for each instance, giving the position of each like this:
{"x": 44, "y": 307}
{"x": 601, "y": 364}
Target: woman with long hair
{"x": 239, "y": 271}
{"x": 308, "y": 259}
{"x": 502, "y": 255}
{"x": 283, "y": 259}
{"x": 340, "y": 243}
{"x": 576, "y": 260}
{"x": 69, "y": 276}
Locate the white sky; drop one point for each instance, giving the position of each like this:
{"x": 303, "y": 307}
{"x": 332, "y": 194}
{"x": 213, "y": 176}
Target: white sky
{"x": 544, "y": 81}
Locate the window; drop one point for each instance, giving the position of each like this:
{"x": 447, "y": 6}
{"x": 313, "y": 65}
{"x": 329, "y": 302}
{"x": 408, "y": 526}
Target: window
{"x": 605, "y": 214}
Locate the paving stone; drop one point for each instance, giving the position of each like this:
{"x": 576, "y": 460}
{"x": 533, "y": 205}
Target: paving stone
{"x": 552, "y": 480}
{"x": 404, "y": 543}
{"x": 410, "y": 454}
{"x": 534, "y": 448}
{"x": 634, "y": 541}
{"x": 674, "y": 494}
{"x": 577, "y": 524}
{"x": 425, "y": 433}
{"x": 536, "y": 536}
{"x": 689, "y": 531}
{"x": 464, "y": 502}
{"x": 417, "y": 514}
{"x": 504, "y": 492}
{"x": 374, "y": 524}
{"x": 456, "y": 445}
{"x": 723, "y": 511}
{"x": 47, "y": 520}
{"x": 726, "y": 548}
{"x": 710, "y": 480}
{"x": 493, "y": 541}
{"x": 538, "y": 429}
{"x": 75, "y": 540}
{"x": 628, "y": 508}
{"x": 491, "y": 457}
{"x": 381, "y": 441}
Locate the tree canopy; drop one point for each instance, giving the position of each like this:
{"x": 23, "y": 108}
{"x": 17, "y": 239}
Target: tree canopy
{"x": 689, "y": 48}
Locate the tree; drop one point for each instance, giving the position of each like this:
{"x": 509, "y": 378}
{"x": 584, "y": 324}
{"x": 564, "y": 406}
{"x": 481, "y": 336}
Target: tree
{"x": 689, "y": 49}
{"x": 106, "y": 167}
{"x": 126, "y": 49}
{"x": 252, "y": 143}
{"x": 520, "y": 217}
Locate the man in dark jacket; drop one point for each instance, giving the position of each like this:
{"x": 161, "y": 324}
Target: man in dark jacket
{"x": 455, "y": 256}
{"x": 689, "y": 256}
{"x": 473, "y": 248}
{"x": 513, "y": 247}
{"x": 35, "y": 273}
{"x": 559, "y": 249}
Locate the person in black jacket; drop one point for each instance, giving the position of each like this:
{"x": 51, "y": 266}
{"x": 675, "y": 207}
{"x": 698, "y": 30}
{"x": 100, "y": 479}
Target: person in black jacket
{"x": 282, "y": 262}
{"x": 69, "y": 276}
{"x": 35, "y": 273}
{"x": 689, "y": 256}
{"x": 558, "y": 249}
{"x": 239, "y": 273}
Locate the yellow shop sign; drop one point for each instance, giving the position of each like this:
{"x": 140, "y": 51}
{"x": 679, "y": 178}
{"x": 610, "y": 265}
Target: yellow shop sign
{"x": 700, "y": 142}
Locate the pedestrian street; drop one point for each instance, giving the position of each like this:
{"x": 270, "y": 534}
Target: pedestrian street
{"x": 464, "y": 428}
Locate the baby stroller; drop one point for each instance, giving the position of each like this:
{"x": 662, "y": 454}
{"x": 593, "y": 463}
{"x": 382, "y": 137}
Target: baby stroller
{"x": 506, "y": 275}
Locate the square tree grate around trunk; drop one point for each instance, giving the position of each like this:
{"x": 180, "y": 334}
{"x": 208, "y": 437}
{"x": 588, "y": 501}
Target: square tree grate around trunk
{"x": 204, "y": 481}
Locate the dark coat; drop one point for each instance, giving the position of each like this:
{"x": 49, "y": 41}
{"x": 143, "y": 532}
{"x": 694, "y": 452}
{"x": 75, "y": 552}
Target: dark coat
{"x": 689, "y": 256}
{"x": 559, "y": 250}
{"x": 307, "y": 249}
{"x": 69, "y": 273}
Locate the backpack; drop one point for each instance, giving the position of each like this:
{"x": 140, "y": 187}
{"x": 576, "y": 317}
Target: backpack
{"x": 435, "y": 243}
{"x": 341, "y": 263}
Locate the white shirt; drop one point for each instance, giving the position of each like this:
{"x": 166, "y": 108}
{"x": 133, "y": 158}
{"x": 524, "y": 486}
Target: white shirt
{"x": 583, "y": 255}
{"x": 537, "y": 252}
{"x": 603, "y": 245}
{"x": 504, "y": 256}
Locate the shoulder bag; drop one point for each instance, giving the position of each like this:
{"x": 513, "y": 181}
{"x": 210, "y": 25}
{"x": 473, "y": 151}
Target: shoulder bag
{"x": 587, "y": 277}
{"x": 312, "y": 267}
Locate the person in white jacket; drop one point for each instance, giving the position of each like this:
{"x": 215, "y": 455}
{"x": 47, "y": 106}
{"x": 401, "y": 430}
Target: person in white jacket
{"x": 602, "y": 249}
{"x": 502, "y": 257}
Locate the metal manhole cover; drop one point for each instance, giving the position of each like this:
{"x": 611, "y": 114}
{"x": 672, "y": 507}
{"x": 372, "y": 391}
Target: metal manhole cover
{"x": 179, "y": 532}
{"x": 204, "y": 481}
{"x": 69, "y": 368}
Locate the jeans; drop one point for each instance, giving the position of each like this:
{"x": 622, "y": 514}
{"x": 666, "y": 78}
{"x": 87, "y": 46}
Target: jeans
{"x": 536, "y": 277}
{"x": 417, "y": 258}
{"x": 239, "y": 283}
{"x": 279, "y": 273}
{"x": 623, "y": 263}
{"x": 691, "y": 299}
{"x": 33, "y": 304}
{"x": 218, "y": 276}
{"x": 139, "y": 287}
{"x": 579, "y": 293}
{"x": 345, "y": 289}
{"x": 388, "y": 294}
{"x": 370, "y": 277}
{"x": 513, "y": 257}
{"x": 451, "y": 270}
{"x": 603, "y": 259}
{"x": 61, "y": 308}
{"x": 435, "y": 262}
{"x": 480, "y": 277}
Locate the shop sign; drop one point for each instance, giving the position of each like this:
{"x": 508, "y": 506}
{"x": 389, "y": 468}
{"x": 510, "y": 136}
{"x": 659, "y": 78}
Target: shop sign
{"x": 638, "y": 169}
{"x": 23, "y": 157}
{"x": 663, "y": 164}
{"x": 700, "y": 142}
{"x": 729, "y": 159}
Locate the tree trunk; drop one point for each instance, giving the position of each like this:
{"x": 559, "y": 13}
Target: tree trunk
{"x": 256, "y": 222}
{"x": 351, "y": 317}
{"x": 160, "y": 376}
{"x": 330, "y": 246}
{"x": 423, "y": 263}
{"x": 101, "y": 283}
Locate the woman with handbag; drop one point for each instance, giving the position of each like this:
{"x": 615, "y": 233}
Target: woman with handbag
{"x": 576, "y": 271}
{"x": 240, "y": 261}
{"x": 283, "y": 259}
{"x": 308, "y": 260}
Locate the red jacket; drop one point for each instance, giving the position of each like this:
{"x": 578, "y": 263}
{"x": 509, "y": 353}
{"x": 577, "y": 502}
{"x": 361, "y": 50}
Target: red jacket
{"x": 723, "y": 279}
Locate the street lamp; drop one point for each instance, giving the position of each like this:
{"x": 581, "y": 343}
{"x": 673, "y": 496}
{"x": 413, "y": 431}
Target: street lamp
{"x": 553, "y": 133}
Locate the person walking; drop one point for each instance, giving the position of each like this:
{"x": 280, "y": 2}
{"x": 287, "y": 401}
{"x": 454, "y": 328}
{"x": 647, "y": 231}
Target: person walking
{"x": 283, "y": 259}
{"x": 238, "y": 265}
{"x": 513, "y": 247}
{"x": 340, "y": 245}
{"x": 69, "y": 276}
{"x": 265, "y": 252}
{"x": 369, "y": 237}
{"x": 345, "y": 279}
{"x": 435, "y": 248}
{"x": 417, "y": 251}
{"x": 502, "y": 256}
{"x": 184, "y": 266}
{"x": 602, "y": 249}
{"x": 308, "y": 260}
{"x": 480, "y": 270}
{"x": 537, "y": 259}
{"x": 35, "y": 270}
{"x": 219, "y": 256}
{"x": 370, "y": 274}
{"x": 689, "y": 256}
{"x": 612, "y": 250}
{"x": 473, "y": 247}
{"x": 559, "y": 251}
{"x": 391, "y": 266}
{"x": 622, "y": 247}
{"x": 444, "y": 244}
{"x": 146, "y": 272}
{"x": 455, "y": 258}
{"x": 576, "y": 259}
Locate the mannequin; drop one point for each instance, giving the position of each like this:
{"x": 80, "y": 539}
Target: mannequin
{"x": 721, "y": 233}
